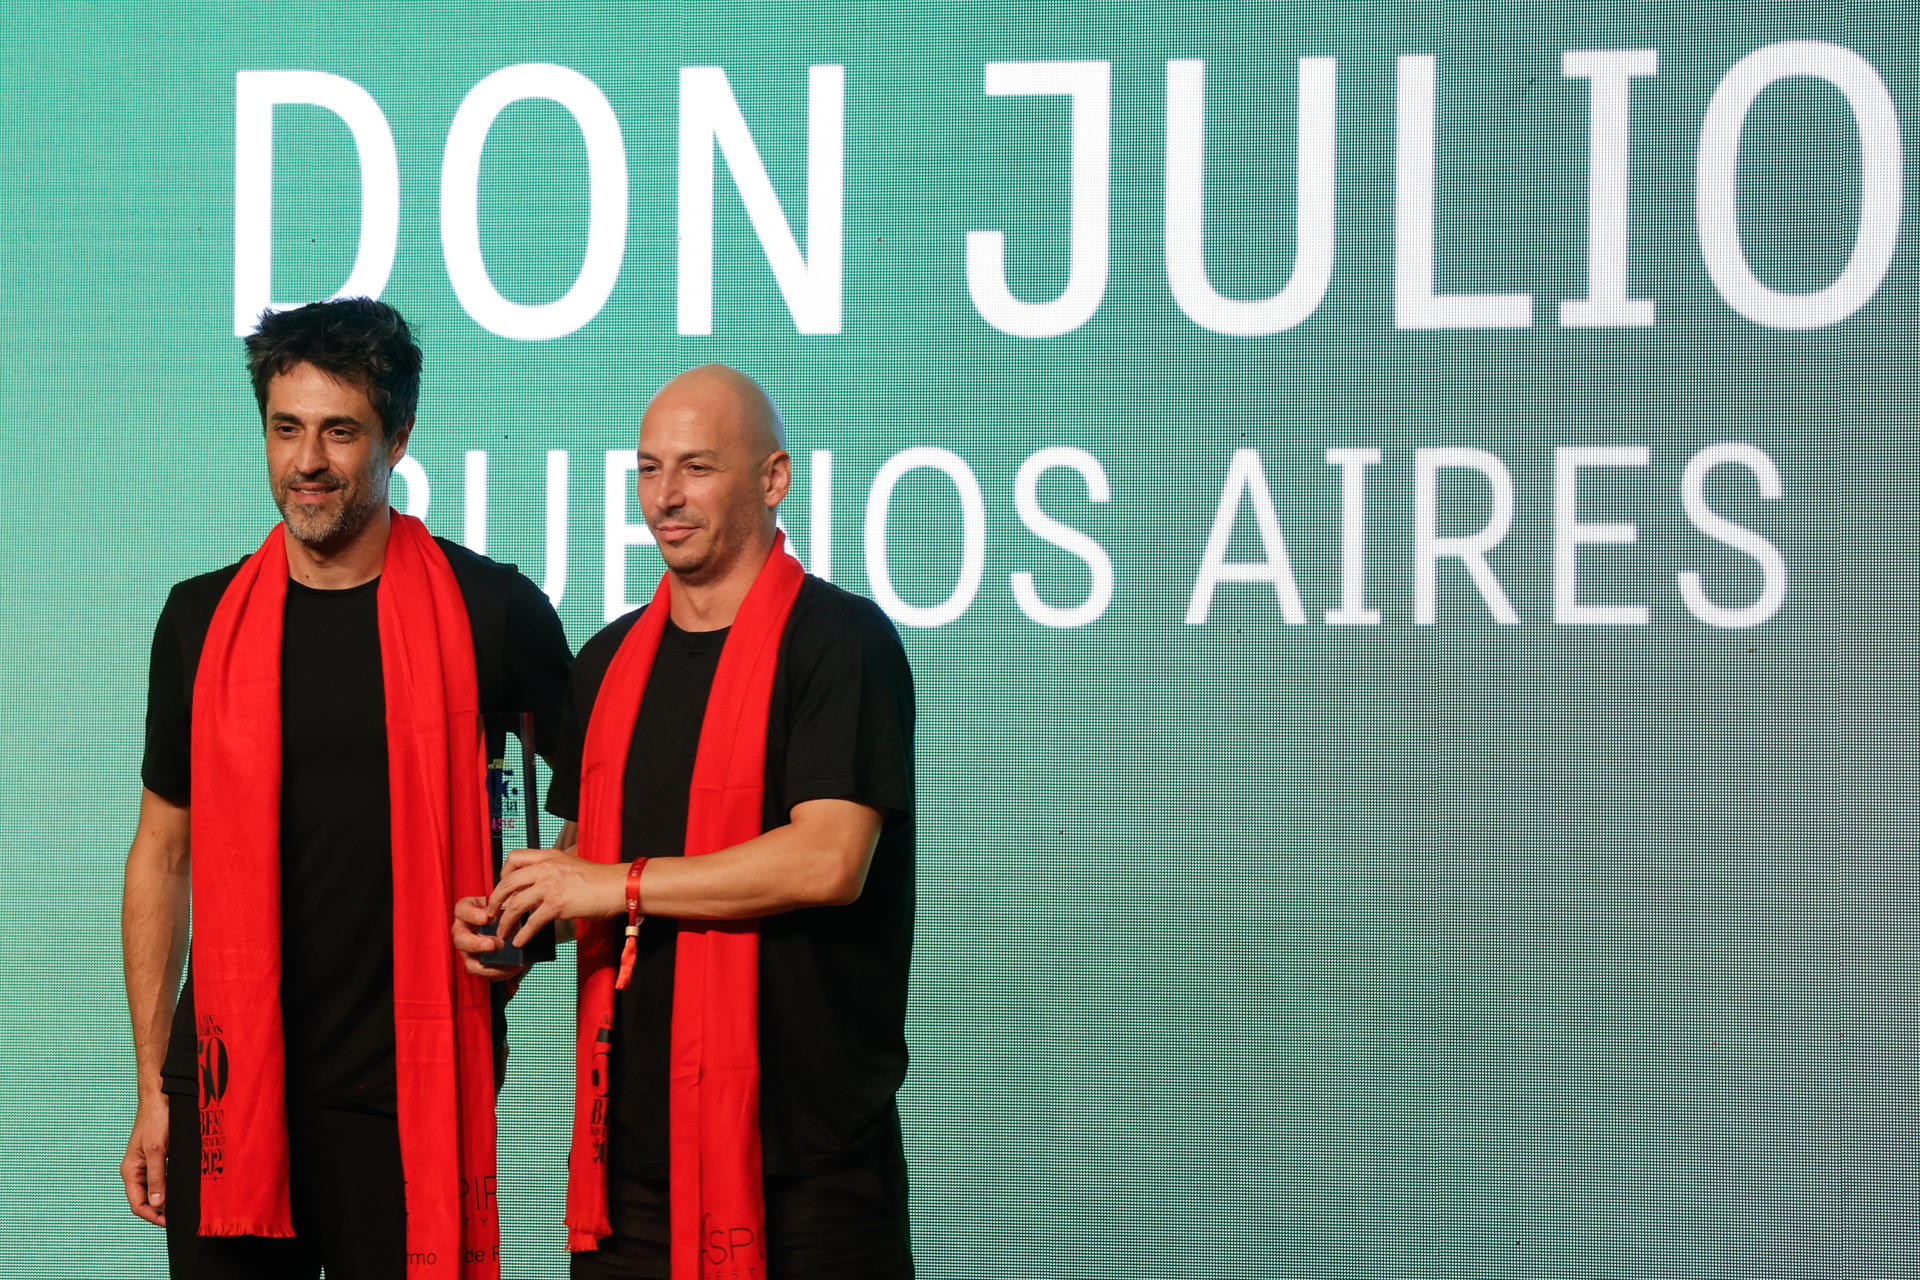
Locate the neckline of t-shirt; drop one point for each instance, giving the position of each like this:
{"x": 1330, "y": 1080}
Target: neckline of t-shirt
{"x": 335, "y": 593}
{"x": 716, "y": 636}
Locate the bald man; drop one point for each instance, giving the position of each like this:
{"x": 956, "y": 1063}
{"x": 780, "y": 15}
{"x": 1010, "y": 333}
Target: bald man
{"x": 777, "y": 958}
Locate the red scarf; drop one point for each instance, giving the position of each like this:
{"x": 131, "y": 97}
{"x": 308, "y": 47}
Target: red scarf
{"x": 443, "y": 1043}
{"x": 713, "y": 1114}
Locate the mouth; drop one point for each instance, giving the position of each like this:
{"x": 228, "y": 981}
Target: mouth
{"x": 311, "y": 495}
{"x": 674, "y": 534}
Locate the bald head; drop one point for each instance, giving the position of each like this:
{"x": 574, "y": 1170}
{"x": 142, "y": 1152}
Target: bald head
{"x": 713, "y": 468}
{"x": 726, "y": 399}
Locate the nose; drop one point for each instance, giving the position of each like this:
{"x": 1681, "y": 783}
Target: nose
{"x": 309, "y": 455}
{"x": 667, "y": 490}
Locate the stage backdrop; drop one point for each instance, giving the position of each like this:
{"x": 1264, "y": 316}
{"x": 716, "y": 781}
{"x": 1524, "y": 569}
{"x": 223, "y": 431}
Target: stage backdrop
{"x": 1402, "y": 514}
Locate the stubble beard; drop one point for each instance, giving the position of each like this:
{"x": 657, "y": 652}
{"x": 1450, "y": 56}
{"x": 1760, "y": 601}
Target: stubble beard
{"x": 687, "y": 564}
{"x": 338, "y": 523}
{"x": 717, "y": 558}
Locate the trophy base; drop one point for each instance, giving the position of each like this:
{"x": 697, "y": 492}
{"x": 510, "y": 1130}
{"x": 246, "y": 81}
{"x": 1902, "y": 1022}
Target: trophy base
{"x": 539, "y": 948}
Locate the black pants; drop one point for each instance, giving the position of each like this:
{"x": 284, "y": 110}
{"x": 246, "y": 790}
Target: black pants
{"x": 850, "y": 1224}
{"x": 349, "y": 1207}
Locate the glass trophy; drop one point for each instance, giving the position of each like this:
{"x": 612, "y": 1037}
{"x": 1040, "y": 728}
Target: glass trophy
{"x": 513, "y": 815}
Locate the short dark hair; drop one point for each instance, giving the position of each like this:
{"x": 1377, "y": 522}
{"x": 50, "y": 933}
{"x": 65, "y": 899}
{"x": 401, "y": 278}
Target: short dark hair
{"x": 357, "y": 340}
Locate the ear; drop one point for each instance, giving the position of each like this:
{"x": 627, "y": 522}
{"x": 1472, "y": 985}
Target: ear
{"x": 776, "y": 478}
{"x": 396, "y": 443}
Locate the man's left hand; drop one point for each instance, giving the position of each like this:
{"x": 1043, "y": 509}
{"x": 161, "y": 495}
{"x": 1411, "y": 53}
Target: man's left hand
{"x": 539, "y": 886}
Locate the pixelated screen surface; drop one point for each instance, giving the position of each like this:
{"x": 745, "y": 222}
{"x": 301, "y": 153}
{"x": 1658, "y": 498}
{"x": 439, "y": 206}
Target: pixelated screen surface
{"x": 1402, "y": 517}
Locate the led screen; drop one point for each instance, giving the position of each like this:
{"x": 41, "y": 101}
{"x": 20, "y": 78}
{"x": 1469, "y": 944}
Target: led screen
{"x": 1402, "y": 516}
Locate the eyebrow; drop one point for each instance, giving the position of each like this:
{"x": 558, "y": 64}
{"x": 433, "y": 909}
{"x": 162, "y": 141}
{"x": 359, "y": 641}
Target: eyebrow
{"x": 692, "y": 453}
{"x": 333, "y": 420}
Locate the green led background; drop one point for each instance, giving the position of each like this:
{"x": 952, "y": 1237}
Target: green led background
{"x": 1246, "y": 948}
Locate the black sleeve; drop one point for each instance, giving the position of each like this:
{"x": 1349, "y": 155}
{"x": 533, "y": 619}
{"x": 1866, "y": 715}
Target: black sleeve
{"x": 537, "y": 660}
{"x": 563, "y": 792}
{"x": 851, "y": 731}
{"x": 166, "y": 766}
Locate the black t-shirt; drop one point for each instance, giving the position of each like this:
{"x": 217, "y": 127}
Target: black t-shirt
{"x": 336, "y": 852}
{"x": 833, "y": 980}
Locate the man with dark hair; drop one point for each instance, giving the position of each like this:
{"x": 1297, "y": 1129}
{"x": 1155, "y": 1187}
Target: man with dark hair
{"x": 741, "y": 1046}
{"x": 321, "y": 1095}
{"x": 356, "y": 339}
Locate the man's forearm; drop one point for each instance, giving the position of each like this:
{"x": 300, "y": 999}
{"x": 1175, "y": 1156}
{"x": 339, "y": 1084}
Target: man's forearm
{"x": 818, "y": 859}
{"x": 153, "y": 930}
